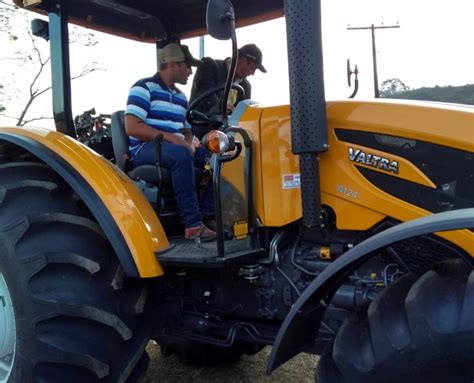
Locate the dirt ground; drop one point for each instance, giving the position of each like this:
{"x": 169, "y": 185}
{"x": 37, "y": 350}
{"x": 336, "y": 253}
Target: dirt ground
{"x": 249, "y": 369}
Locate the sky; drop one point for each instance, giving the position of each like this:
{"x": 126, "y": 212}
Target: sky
{"x": 432, "y": 47}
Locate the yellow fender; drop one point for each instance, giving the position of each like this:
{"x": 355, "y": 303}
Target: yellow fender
{"x": 122, "y": 211}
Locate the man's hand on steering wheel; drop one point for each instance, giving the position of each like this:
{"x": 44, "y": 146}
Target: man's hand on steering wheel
{"x": 197, "y": 118}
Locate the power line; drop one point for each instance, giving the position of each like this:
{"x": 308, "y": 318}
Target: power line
{"x": 374, "y": 53}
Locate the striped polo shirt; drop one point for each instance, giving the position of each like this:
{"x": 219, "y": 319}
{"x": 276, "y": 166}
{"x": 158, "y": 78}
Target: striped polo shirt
{"x": 161, "y": 108}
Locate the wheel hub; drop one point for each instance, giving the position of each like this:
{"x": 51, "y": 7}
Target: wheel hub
{"x": 7, "y": 331}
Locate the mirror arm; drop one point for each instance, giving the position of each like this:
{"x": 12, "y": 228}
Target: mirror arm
{"x": 230, "y": 76}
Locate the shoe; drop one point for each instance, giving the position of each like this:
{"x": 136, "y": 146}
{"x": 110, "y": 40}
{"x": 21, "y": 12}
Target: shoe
{"x": 200, "y": 234}
{"x": 210, "y": 221}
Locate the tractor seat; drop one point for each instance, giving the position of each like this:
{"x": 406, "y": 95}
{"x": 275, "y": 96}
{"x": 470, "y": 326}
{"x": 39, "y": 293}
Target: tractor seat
{"x": 165, "y": 203}
{"x": 120, "y": 144}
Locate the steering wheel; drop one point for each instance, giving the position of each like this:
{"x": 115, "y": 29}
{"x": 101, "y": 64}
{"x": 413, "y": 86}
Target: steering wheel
{"x": 197, "y": 118}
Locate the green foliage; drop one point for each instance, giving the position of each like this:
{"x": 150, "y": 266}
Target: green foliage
{"x": 455, "y": 94}
{"x": 2, "y": 108}
{"x": 392, "y": 86}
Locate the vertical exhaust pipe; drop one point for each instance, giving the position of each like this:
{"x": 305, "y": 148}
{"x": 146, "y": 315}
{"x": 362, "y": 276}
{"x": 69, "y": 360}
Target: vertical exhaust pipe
{"x": 307, "y": 99}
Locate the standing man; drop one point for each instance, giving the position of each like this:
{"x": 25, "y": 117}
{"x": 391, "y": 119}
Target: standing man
{"x": 155, "y": 106}
{"x": 214, "y": 72}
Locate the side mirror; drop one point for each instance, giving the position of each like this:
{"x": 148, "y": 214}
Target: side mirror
{"x": 220, "y": 19}
{"x": 40, "y": 28}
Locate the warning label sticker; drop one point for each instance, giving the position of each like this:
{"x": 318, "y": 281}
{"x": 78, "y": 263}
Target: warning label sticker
{"x": 291, "y": 181}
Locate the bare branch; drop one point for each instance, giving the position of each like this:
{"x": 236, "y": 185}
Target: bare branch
{"x": 14, "y": 25}
{"x": 38, "y": 74}
{"x": 35, "y": 119}
{"x": 8, "y": 116}
{"x": 88, "y": 68}
{"x": 34, "y": 93}
{"x": 10, "y": 58}
{"x": 39, "y": 93}
{"x": 87, "y": 39}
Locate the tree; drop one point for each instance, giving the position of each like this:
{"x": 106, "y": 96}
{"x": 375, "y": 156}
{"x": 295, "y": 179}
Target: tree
{"x": 455, "y": 94}
{"x": 6, "y": 11}
{"x": 6, "y": 15}
{"x": 392, "y": 86}
{"x": 32, "y": 60}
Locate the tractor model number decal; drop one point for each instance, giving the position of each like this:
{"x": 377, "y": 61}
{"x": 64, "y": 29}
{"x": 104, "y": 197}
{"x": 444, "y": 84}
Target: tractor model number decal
{"x": 360, "y": 157}
{"x": 343, "y": 189}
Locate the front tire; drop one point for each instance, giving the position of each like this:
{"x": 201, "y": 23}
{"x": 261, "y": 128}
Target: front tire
{"x": 76, "y": 317}
{"x": 418, "y": 329}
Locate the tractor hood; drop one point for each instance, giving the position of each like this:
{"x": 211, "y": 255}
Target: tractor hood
{"x": 148, "y": 20}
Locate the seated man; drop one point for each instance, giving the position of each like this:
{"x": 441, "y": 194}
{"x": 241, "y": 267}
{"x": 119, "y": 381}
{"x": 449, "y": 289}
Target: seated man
{"x": 155, "y": 106}
{"x": 214, "y": 72}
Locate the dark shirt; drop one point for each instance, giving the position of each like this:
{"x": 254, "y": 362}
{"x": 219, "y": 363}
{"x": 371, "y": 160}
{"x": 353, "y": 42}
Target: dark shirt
{"x": 208, "y": 75}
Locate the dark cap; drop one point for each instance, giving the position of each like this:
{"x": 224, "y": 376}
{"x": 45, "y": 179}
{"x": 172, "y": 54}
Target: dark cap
{"x": 188, "y": 57}
{"x": 178, "y": 53}
{"x": 252, "y": 52}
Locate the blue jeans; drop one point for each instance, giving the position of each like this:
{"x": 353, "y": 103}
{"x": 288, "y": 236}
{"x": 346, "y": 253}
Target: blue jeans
{"x": 181, "y": 163}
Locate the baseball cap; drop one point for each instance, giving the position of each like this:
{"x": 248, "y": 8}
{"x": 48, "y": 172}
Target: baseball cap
{"x": 252, "y": 52}
{"x": 188, "y": 57}
{"x": 177, "y": 53}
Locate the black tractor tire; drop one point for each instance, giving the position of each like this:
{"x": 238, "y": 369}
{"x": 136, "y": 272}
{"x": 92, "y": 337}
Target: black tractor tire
{"x": 77, "y": 318}
{"x": 205, "y": 355}
{"x": 418, "y": 329}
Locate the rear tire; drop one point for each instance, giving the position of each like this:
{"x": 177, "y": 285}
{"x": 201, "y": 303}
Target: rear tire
{"x": 76, "y": 317}
{"x": 416, "y": 330}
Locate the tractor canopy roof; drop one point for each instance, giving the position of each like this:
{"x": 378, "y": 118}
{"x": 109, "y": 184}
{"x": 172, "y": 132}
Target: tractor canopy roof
{"x": 153, "y": 20}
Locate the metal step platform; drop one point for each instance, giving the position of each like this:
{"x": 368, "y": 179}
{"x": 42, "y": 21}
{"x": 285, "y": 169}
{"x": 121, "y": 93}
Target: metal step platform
{"x": 184, "y": 252}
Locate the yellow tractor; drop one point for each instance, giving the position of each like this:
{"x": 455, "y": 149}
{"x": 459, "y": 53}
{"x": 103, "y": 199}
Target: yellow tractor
{"x": 345, "y": 228}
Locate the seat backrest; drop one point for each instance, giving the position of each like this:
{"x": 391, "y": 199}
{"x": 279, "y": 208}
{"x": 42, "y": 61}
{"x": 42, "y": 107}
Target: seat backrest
{"x": 120, "y": 141}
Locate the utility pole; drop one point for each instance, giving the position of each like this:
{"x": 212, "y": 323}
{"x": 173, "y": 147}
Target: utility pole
{"x": 201, "y": 47}
{"x": 374, "y": 52}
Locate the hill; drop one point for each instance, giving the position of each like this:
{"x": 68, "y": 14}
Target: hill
{"x": 457, "y": 94}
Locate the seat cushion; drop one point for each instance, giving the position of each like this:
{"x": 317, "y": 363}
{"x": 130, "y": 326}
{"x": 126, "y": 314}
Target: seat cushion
{"x": 148, "y": 173}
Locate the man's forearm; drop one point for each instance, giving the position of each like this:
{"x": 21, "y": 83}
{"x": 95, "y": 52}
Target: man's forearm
{"x": 140, "y": 130}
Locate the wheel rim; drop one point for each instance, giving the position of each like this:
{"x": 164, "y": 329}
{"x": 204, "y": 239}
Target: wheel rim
{"x": 7, "y": 331}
